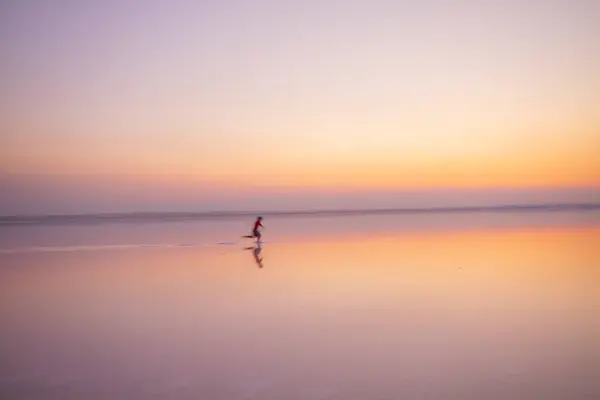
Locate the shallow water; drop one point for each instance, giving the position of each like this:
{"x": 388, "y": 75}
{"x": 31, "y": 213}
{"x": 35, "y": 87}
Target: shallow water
{"x": 385, "y": 307}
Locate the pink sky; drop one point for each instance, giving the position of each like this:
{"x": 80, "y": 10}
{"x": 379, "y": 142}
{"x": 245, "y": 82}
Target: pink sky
{"x": 123, "y": 105}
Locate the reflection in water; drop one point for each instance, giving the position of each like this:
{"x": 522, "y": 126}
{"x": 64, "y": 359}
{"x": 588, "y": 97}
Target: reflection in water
{"x": 369, "y": 315}
{"x": 256, "y": 250}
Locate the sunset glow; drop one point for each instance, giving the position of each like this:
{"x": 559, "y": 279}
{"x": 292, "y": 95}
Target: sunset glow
{"x": 294, "y": 95}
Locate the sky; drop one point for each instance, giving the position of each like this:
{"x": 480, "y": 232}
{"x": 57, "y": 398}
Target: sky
{"x": 122, "y": 105}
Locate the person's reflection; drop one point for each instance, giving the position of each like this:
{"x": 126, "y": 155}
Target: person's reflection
{"x": 256, "y": 253}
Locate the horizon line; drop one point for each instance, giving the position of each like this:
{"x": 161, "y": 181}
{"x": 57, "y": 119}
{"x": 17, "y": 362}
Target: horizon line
{"x": 174, "y": 216}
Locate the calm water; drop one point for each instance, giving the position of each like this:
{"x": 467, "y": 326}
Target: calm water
{"x": 481, "y": 306}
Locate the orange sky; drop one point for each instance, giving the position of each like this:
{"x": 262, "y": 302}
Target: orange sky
{"x": 313, "y": 96}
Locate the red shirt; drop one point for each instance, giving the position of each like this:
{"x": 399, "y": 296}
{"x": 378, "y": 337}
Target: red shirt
{"x": 257, "y": 224}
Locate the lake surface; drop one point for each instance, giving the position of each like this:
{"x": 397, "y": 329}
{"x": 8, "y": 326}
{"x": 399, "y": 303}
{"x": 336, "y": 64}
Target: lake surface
{"x": 460, "y": 306}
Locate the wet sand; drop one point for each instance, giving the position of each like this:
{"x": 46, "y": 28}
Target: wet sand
{"x": 338, "y": 308}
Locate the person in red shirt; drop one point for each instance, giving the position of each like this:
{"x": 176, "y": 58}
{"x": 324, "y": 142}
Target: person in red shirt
{"x": 256, "y": 231}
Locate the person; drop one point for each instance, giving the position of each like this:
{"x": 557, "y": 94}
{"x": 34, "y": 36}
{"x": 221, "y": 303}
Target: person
{"x": 256, "y": 232}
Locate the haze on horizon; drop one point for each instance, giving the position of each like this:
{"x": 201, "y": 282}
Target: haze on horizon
{"x": 193, "y": 105}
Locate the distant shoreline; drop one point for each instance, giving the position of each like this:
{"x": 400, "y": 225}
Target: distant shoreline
{"x": 138, "y": 217}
